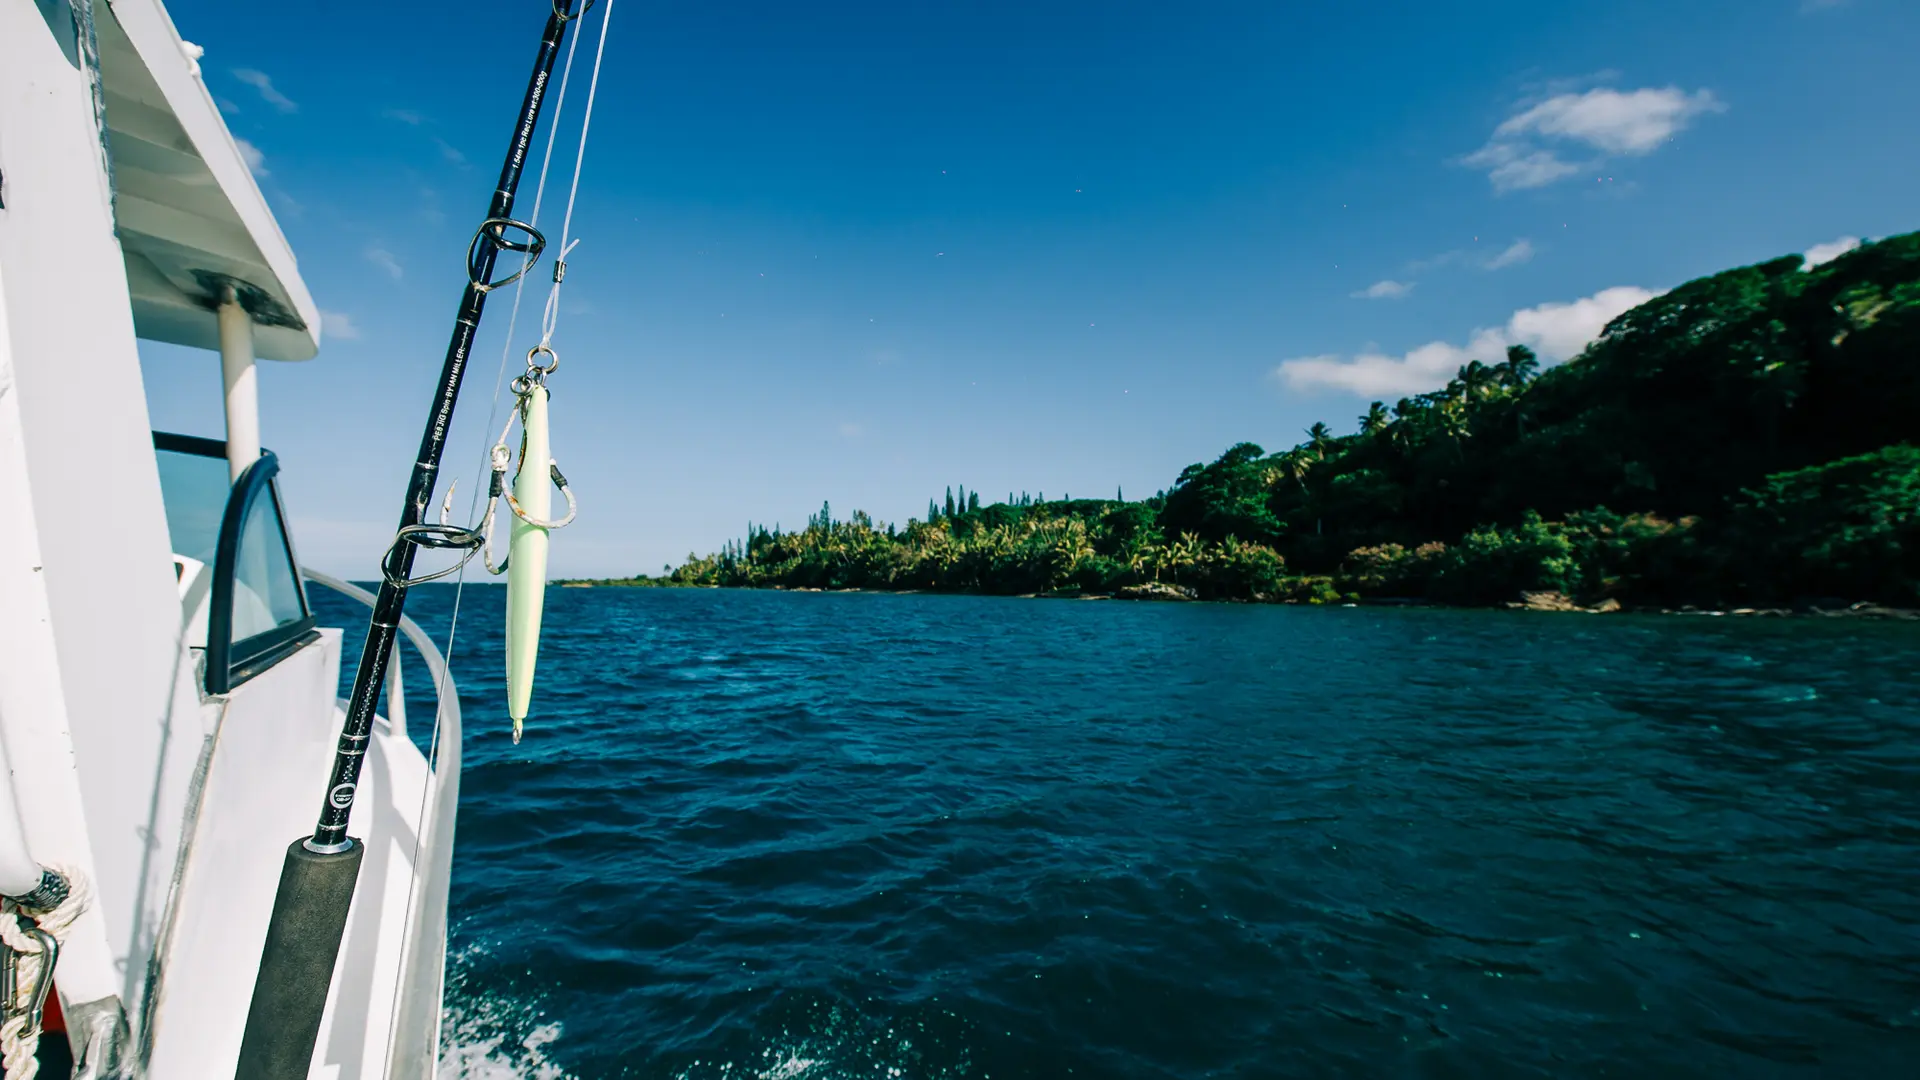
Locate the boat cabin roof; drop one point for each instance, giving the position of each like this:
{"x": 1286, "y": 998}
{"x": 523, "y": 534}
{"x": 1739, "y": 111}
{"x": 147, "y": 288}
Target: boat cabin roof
{"x": 191, "y": 218}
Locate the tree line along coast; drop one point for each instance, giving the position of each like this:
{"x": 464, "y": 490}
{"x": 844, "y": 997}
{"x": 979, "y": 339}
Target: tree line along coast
{"x": 1746, "y": 441}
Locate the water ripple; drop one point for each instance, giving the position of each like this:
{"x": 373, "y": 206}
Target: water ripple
{"x": 822, "y": 836}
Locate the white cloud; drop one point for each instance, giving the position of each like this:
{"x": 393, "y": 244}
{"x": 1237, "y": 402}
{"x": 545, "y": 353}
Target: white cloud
{"x": 340, "y": 325}
{"x": 249, "y": 153}
{"x": 1516, "y": 253}
{"x": 1556, "y": 331}
{"x": 1514, "y": 168}
{"x": 405, "y": 116}
{"x": 1603, "y": 122}
{"x": 849, "y": 431}
{"x": 1635, "y": 122}
{"x": 1831, "y": 250}
{"x": 384, "y": 259}
{"x": 449, "y": 151}
{"x": 1384, "y": 290}
{"x": 259, "y": 81}
{"x": 1560, "y": 331}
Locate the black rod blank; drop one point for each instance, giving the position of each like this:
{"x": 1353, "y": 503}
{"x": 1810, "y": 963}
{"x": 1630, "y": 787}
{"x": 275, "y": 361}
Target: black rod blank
{"x": 319, "y": 872}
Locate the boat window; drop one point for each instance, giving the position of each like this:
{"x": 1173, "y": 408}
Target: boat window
{"x": 257, "y": 611}
{"x": 266, "y": 590}
{"x": 194, "y": 486}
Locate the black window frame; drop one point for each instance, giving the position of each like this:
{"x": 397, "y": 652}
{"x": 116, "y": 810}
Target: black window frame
{"x": 229, "y": 662}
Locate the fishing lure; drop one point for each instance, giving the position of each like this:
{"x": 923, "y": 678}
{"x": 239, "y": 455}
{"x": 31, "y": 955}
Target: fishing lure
{"x": 531, "y": 501}
{"x": 527, "y": 557}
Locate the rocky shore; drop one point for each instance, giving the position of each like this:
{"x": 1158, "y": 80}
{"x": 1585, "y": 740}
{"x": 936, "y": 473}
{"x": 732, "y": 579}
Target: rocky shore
{"x": 1825, "y": 608}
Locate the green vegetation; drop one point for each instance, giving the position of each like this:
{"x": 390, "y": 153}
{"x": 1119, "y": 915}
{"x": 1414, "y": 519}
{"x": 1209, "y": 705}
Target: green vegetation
{"x": 1743, "y": 439}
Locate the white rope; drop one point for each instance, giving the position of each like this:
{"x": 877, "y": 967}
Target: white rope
{"x": 20, "y": 1034}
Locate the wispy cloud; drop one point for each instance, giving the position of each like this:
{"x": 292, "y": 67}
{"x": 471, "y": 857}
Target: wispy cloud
{"x": 1521, "y": 250}
{"x": 1831, "y": 250}
{"x": 339, "y": 324}
{"x": 1516, "y": 253}
{"x": 1512, "y": 167}
{"x": 1384, "y": 290}
{"x": 1445, "y": 258}
{"x": 249, "y": 153}
{"x": 384, "y": 259}
{"x": 449, "y": 151}
{"x": 259, "y": 81}
{"x": 849, "y": 431}
{"x": 1556, "y": 331}
{"x": 1602, "y": 123}
{"x": 1822, "y": 5}
{"x": 405, "y": 116}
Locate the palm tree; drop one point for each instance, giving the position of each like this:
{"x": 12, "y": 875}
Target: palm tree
{"x": 1376, "y": 420}
{"x": 1475, "y": 380}
{"x": 1454, "y": 421}
{"x": 1317, "y": 437}
{"x": 1519, "y": 368}
{"x": 1183, "y": 552}
{"x": 1297, "y": 464}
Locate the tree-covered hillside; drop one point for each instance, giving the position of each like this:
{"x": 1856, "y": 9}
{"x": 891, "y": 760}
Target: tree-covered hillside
{"x": 1745, "y": 438}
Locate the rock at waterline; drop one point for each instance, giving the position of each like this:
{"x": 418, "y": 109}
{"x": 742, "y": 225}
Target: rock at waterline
{"x": 1559, "y": 601}
{"x": 1156, "y": 590}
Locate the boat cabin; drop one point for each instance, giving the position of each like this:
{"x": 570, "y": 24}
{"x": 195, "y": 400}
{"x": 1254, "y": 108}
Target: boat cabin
{"x": 168, "y": 702}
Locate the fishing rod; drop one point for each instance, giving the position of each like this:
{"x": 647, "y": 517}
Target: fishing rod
{"x": 318, "y": 875}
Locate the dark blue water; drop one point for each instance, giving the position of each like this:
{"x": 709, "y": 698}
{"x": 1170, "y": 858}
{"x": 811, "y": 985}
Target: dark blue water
{"x": 824, "y": 836}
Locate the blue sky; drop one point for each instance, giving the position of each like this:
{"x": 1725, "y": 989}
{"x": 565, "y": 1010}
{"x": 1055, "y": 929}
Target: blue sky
{"x": 859, "y": 252}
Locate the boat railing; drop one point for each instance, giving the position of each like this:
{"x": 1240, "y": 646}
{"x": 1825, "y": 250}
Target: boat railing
{"x": 415, "y": 1042}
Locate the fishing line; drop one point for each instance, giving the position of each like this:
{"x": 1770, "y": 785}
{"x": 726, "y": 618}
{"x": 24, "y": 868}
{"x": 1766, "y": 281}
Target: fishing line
{"x": 506, "y": 349}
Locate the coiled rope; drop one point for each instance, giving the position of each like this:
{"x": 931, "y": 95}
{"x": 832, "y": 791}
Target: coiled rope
{"x": 33, "y": 935}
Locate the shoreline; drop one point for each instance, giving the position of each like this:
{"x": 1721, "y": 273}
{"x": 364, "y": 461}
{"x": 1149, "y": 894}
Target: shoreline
{"x": 1537, "y": 602}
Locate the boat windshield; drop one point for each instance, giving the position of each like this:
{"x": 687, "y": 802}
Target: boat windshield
{"x": 266, "y": 589}
{"x": 266, "y": 593}
{"x": 195, "y": 487}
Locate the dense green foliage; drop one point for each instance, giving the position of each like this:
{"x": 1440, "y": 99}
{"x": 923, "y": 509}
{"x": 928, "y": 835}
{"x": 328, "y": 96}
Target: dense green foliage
{"x": 1744, "y": 438}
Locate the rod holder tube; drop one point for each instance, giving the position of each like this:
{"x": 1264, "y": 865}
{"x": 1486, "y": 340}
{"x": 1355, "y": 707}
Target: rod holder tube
{"x": 296, "y": 965}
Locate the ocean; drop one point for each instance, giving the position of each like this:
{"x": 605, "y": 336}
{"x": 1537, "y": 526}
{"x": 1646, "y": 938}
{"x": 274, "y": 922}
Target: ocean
{"x": 780, "y": 836}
